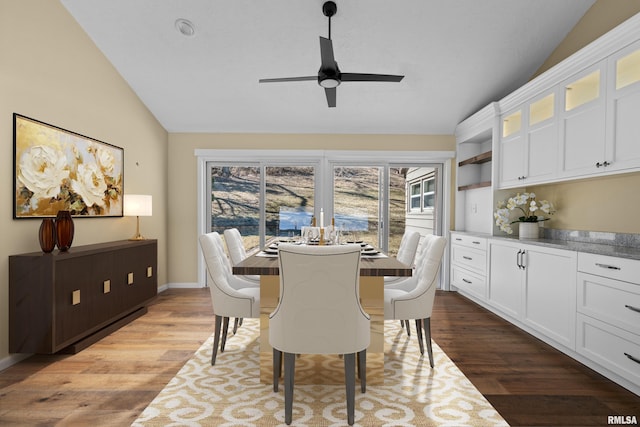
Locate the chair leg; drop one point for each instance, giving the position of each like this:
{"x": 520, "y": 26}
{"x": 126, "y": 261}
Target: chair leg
{"x": 427, "y": 333}
{"x": 419, "y": 333}
{"x": 289, "y": 372}
{"x": 408, "y": 325}
{"x": 277, "y": 363}
{"x": 350, "y": 384}
{"x": 362, "y": 370}
{"x": 216, "y": 339}
{"x": 225, "y": 328}
{"x": 235, "y": 325}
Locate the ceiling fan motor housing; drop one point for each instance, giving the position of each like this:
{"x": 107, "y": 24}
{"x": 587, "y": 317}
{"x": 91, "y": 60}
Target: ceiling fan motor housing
{"x": 329, "y": 9}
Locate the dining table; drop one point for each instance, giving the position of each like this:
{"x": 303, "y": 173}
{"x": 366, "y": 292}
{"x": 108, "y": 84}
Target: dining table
{"x": 374, "y": 266}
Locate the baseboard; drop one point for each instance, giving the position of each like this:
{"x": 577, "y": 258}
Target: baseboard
{"x": 185, "y": 285}
{"x": 12, "y": 359}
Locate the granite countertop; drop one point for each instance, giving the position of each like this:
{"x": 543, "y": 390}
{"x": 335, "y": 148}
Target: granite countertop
{"x": 620, "y": 245}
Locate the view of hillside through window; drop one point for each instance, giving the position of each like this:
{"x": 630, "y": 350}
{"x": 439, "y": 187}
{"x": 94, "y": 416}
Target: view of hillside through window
{"x": 359, "y": 198}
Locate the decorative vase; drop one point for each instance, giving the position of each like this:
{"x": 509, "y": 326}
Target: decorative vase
{"x": 64, "y": 230}
{"x": 47, "y": 235}
{"x": 528, "y": 230}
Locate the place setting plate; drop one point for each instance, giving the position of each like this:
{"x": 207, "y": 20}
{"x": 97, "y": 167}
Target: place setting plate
{"x": 369, "y": 250}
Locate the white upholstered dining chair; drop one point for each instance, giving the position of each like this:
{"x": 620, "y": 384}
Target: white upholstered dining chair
{"x": 237, "y": 251}
{"x": 319, "y": 312}
{"x": 410, "y": 248}
{"x": 416, "y": 302}
{"x": 228, "y": 296}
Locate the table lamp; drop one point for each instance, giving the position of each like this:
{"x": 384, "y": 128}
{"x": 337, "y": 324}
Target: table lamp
{"x": 137, "y": 205}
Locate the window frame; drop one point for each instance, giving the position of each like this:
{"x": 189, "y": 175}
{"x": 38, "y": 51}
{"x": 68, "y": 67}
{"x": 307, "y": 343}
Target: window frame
{"x": 323, "y": 181}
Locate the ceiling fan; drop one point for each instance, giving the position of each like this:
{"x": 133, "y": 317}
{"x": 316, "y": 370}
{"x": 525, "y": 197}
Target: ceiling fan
{"x": 329, "y": 76}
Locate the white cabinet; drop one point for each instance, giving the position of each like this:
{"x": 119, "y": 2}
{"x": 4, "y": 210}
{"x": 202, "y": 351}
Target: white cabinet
{"x": 529, "y": 142}
{"x": 599, "y": 126}
{"x": 609, "y": 313}
{"x": 505, "y": 277}
{"x": 535, "y": 285}
{"x": 550, "y": 293}
{"x": 512, "y": 149}
{"x": 542, "y": 148}
{"x": 469, "y": 264}
{"x": 577, "y": 120}
{"x": 582, "y": 122}
{"x": 623, "y": 110}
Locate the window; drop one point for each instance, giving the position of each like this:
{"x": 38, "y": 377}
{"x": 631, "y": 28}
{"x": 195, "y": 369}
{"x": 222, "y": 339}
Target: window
{"x": 414, "y": 200}
{"x": 422, "y": 194}
{"x": 429, "y": 193}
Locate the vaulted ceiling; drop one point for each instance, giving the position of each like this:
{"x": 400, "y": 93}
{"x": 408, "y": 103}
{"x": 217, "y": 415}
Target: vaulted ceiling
{"x": 456, "y": 56}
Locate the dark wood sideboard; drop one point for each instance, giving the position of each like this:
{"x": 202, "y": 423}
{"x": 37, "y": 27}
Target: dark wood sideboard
{"x": 66, "y": 301}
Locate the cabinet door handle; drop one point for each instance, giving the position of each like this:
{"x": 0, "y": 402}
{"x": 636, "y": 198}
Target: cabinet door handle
{"x": 605, "y": 164}
{"x": 520, "y": 259}
{"x": 458, "y": 239}
{"x": 466, "y": 281}
{"x": 598, "y": 164}
{"x": 610, "y": 267}
{"x": 635, "y": 359}
{"x": 632, "y": 308}
{"x": 475, "y": 243}
{"x": 467, "y": 258}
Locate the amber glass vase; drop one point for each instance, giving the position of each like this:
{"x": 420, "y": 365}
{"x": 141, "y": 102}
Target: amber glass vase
{"x": 64, "y": 230}
{"x": 47, "y": 235}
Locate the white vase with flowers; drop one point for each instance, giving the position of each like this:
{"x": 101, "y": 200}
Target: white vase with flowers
{"x": 530, "y": 212}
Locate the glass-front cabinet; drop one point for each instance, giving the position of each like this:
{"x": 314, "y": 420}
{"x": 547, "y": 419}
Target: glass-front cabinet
{"x": 529, "y": 142}
{"x": 623, "y": 109}
{"x": 582, "y": 123}
{"x": 512, "y": 149}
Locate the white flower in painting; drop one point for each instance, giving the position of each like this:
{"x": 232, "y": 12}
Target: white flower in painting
{"x": 105, "y": 160}
{"x": 90, "y": 184}
{"x": 42, "y": 171}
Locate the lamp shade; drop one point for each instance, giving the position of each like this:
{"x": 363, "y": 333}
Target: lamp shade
{"x": 137, "y": 205}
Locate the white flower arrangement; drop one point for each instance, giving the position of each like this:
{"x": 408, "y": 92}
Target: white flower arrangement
{"x": 532, "y": 211}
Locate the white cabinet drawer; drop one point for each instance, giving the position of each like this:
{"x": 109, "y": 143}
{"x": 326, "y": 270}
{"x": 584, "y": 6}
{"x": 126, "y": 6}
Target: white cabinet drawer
{"x": 469, "y": 241}
{"x": 472, "y": 259}
{"x": 611, "y": 347}
{"x": 611, "y": 301}
{"x": 612, "y": 267}
{"x": 470, "y": 282}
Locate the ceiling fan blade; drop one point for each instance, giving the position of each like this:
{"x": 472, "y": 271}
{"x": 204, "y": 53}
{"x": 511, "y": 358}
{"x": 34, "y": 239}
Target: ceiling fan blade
{"x": 289, "y": 79}
{"x": 326, "y": 54}
{"x": 363, "y": 77}
{"x": 331, "y": 96}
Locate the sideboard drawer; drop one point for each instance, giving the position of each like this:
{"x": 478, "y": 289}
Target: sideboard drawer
{"x": 469, "y": 241}
{"x": 611, "y": 301}
{"x": 468, "y": 281}
{"x": 612, "y": 267}
{"x": 611, "y": 347}
{"x": 472, "y": 259}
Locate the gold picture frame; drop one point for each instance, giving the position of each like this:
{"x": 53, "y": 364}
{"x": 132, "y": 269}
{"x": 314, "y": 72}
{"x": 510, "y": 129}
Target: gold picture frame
{"x": 56, "y": 169}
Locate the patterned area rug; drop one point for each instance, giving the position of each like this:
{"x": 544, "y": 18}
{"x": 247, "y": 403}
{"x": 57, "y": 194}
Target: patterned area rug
{"x": 230, "y": 393}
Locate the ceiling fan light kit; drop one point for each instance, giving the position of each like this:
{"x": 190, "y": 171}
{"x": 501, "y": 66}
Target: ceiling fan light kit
{"x": 329, "y": 76}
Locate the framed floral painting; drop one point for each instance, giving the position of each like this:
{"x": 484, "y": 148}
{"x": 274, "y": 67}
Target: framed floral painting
{"x": 56, "y": 169}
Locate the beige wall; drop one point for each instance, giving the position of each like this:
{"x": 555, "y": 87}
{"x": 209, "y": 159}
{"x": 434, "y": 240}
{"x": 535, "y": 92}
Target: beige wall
{"x": 183, "y": 248}
{"x": 603, "y": 204}
{"x": 51, "y": 71}
{"x": 603, "y": 16}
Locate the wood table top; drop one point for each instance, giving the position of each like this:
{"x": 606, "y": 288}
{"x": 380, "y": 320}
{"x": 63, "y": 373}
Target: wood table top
{"x": 369, "y": 266}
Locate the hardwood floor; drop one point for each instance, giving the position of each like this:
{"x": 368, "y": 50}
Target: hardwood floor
{"x": 111, "y": 382}
{"x": 529, "y": 382}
